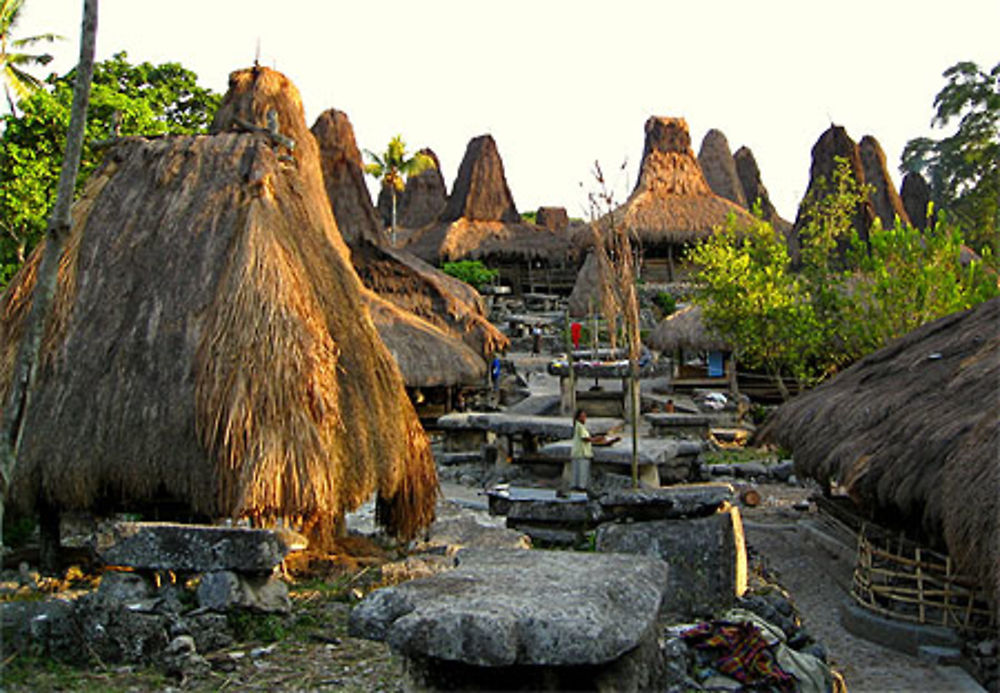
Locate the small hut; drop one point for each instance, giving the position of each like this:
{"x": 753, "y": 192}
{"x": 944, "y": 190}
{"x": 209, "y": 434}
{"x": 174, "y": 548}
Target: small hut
{"x": 210, "y": 343}
{"x": 913, "y": 433}
{"x": 672, "y": 204}
{"x": 717, "y": 163}
{"x": 699, "y": 357}
{"x": 885, "y": 200}
{"x": 481, "y": 222}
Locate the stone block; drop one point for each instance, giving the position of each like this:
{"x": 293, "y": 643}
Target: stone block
{"x": 225, "y": 590}
{"x": 706, "y": 555}
{"x": 669, "y": 502}
{"x": 193, "y": 548}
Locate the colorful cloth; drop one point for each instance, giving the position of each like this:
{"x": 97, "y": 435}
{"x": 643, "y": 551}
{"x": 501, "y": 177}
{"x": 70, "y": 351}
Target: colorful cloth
{"x": 742, "y": 652}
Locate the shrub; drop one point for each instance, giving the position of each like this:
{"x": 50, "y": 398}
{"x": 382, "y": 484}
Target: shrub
{"x": 666, "y": 302}
{"x": 471, "y": 272}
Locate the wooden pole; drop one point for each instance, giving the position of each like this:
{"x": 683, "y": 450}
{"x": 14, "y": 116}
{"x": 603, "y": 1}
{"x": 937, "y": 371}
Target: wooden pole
{"x": 25, "y": 367}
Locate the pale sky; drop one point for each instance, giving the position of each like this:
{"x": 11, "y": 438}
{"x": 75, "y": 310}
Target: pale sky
{"x": 560, "y": 84}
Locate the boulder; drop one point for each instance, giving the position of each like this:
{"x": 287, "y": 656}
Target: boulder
{"x": 193, "y": 548}
{"x": 538, "y": 618}
{"x": 716, "y": 160}
{"x": 47, "y": 626}
{"x": 224, "y": 590}
{"x": 706, "y": 555}
{"x": 554, "y": 218}
{"x": 667, "y": 503}
{"x": 885, "y": 199}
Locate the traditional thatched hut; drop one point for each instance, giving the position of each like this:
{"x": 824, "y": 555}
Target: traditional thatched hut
{"x": 210, "y": 341}
{"x": 717, "y": 163}
{"x": 754, "y": 191}
{"x": 447, "y": 303}
{"x": 916, "y": 195}
{"x": 700, "y": 358}
{"x": 885, "y": 200}
{"x": 672, "y": 204}
{"x": 913, "y": 432}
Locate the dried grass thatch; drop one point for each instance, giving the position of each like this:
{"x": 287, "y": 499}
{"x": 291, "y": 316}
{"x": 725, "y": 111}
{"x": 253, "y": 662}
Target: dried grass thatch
{"x": 480, "y": 192}
{"x": 913, "y": 431}
{"x": 916, "y": 195}
{"x": 467, "y": 239}
{"x": 754, "y": 191}
{"x": 210, "y": 340}
{"x": 672, "y": 203}
{"x": 885, "y": 199}
{"x": 717, "y": 163}
{"x": 344, "y": 179}
{"x": 424, "y": 198}
{"x": 684, "y": 329}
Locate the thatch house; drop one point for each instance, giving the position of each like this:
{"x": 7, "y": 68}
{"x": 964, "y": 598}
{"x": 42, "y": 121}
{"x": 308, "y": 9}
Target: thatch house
{"x": 672, "y": 204}
{"x": 717, "y": 163}
{"x": 699, "y": 357}
{"x": 755, "y": 192}
{"x": 916, "y": 195}
{"x": 481, "y": 222}
{"x": 885, "y": 200}
{"x": 451, "y": 305}
{"x": 913, "y": 432}
{"x": 210, "y": 342}
{"x": 553, "y": 218}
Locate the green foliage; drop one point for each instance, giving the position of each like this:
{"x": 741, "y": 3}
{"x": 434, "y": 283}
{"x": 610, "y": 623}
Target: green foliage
{"x": 529, "y": 217}
{"x": 471, "y": 272}
{"x": 247, "y": 626}
{"x": 666, "y": 302}
{"x": 849, "y": 297}
{"x": 392, "y": 167}
{"x": 19, "y": 531}
{"x": 125, "y": 99}
{"x": 964, "y": 169}
{"x": 18, "y": 83}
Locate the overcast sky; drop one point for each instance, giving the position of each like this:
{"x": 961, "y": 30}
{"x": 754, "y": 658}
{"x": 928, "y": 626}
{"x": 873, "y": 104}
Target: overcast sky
{"x": 562, "y": 84}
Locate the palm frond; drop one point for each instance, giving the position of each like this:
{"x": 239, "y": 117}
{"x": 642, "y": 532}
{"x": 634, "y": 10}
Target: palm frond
{"x": 31, "y": 40}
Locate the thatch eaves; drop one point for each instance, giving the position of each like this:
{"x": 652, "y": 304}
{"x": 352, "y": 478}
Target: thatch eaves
{"x": 467, "y": 239}
{"x": 210, "y": 341}
{"x": 684, "y": 329}
{"x": 913, "y": 431}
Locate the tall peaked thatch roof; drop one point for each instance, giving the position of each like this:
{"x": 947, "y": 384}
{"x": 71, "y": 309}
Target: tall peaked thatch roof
{"x": 913, "y": 431}
{"x": 672, "y": 202}
{"x": 413, "y": 285}
{"x": 916, "y": 195}
{"x": 344, "y": 178}
{"x": 210, "y": 341}
{"x": 684, "y": 329}
{"x": 480, "y": 192}
{"x": 717, "y": 163}
{"x": 834, "y": 143}
{"x": 884, "y": 197}
{"x": 424, "y": 198}
{"x": 754, "y": 191}
{"x": 554, "y": 218}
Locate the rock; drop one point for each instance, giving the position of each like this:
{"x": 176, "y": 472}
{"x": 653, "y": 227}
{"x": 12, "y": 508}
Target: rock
{"x": 47, "y": 625}
{"x": 669, "y": 502}
{"x": 193, "y": 548}
{"x": 113, "y": 632}
{"x": 466, "y": 532}
{"x": 717, "y": 163}
{"x": 554, "y": 218}
{"x": 210, "y": 631}
{"x": 750, "y": 470}
{"x": 125, "y": 587}
{"x": 224, "y": 590}
{"x": 181, "y": 659}
{"x": 707, "y": 557}
{"x": 538, "y": 614}
{"x": 783, "y": 471}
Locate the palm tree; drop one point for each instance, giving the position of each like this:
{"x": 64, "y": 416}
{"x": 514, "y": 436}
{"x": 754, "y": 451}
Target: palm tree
{"x": 392, "y": 168}
{"x": 13, "y": 62}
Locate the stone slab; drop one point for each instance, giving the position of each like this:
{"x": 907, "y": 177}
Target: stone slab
{"x": 899, "y": 635}
{"x": 503, "y": 423}
{"x": 669, "y": 502}
{"x": 193, "y": 548}
{"x": 505, "y": 608}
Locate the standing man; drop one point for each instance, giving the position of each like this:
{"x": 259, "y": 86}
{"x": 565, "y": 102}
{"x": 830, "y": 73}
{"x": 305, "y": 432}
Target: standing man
{"x": 582, "y": 452}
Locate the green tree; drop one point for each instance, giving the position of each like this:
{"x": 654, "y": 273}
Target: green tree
{"x": 392, "y": 167}
{"x": 126, "y": 99}
{"x": 963, "y": 170}
{"x": 14, "y": 62}
{"x": 471, "y": 272}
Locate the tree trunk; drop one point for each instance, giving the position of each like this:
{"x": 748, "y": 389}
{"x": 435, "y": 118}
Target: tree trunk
{"x": 392, "y": 226}
{"x": 23, "y": 374}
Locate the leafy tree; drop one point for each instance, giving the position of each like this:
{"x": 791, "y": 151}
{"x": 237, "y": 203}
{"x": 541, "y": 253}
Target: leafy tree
{"x": 14, "y": 63}
{"x": 471, "y": 272}
{"x": 126, "y": 99}
{"x": 848, "y": 297}
{"x": 964, "y": 169}
{"x": 392, "y": 167}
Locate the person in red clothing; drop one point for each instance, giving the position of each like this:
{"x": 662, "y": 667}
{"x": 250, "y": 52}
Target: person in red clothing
{"x": 575, "y": 332}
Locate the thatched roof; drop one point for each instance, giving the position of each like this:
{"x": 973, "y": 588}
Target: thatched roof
{"x": 684, "y": 329}
{"x": 884, "y": 197}
{"x": 480, "y": 192}
{"x": 587, "y": 289}
{"x": 672, "y": 202}
{"x": 754, "y": 190}
{"x": 916, "y": 195}
{"x": 833, "y": 143}
{"x": 913, "y": 431}
{"x": 344, "y": 178}
{"x": 717, "y": 163}
{"x": 426, "y": 355}
{"x": 553, "y": 218}
{"x": 424, "y": 197}
{"x": 210, "y": 341}
{"x": 447, "y": 303}
{"x": 466, "y": 239}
